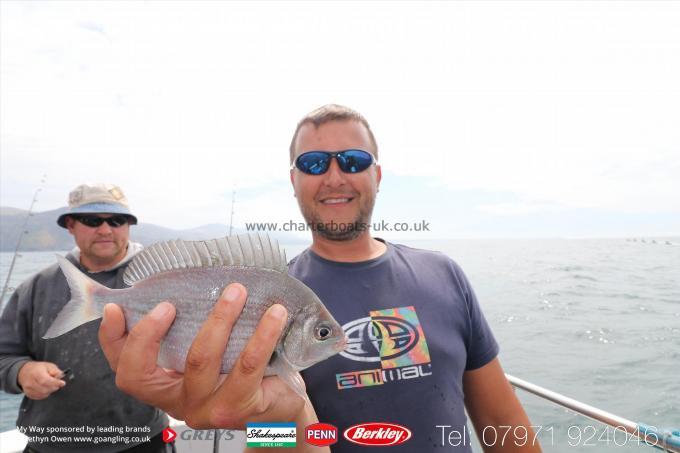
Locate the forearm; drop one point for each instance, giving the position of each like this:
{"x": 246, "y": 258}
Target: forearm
{"x": 499, "y": 419}
{"x": 9, "y": 371}
{"x": 514, "y": 434}
{"x": 307, "y": 416}
{"x": 14, "y": 339}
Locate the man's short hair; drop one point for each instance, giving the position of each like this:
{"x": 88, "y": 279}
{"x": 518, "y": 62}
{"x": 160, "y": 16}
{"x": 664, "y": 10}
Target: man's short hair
{"x": 326, "y": 114}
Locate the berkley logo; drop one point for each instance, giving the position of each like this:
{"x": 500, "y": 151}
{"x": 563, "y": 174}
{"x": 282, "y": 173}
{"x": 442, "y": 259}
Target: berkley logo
{"x": 321, "y": 434}
{"x": 377, "y": 434}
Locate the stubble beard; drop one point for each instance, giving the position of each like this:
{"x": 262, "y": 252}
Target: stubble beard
{"x": 334, "y": 231}
{"x": 109, "y": 258}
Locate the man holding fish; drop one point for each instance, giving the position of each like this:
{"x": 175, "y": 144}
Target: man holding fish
{"x": 68, "y": 385}
{"x": 419, "y": 350}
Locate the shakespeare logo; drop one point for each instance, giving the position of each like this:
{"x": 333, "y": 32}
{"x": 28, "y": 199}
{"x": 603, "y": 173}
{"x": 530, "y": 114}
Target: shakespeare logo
{"x": 272, "y": 435}
{"x": 393, "y": 337}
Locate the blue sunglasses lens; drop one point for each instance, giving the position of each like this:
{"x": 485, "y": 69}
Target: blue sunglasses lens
{"x": 313, "y": 163}
{"x": 354, "y": 160}
{"x": 349, "y": 161}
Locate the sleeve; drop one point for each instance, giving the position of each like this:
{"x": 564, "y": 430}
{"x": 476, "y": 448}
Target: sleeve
{"x": 481, "y": 344}
{"x": 14, "y": 338}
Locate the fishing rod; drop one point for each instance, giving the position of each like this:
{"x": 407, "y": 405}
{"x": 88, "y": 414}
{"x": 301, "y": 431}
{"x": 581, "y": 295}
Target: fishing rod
{"x": 21, "y": 236}
{"x": 667, "y": 440}
{"x": 233, "y": 199}
{"x": 216, "y": 441}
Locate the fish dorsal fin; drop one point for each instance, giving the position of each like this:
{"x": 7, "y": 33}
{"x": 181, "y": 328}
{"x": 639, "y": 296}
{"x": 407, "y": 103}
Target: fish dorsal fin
{"x": 247, "y": 250}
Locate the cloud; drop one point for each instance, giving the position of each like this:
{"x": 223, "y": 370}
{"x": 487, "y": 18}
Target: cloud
{"x": 182, "y": 101}
{"x": 93, "y": 27}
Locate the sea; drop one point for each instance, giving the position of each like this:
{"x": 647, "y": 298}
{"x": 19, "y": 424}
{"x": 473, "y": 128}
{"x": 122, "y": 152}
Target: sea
{"x": 597, "y": 320}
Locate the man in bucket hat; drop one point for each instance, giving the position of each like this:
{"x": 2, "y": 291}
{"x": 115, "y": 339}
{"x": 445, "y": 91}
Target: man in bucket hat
{"x": 98, "y": 218}
{"x": 69, "y": 387}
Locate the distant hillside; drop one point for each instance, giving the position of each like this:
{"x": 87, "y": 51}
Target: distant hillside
{"x": 44, "y": 234}
{"x": 4, "y": 210}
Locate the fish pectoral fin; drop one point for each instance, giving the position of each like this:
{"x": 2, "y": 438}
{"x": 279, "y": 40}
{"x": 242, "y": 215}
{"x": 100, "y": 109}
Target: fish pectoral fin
{"x": 290, "y": 376}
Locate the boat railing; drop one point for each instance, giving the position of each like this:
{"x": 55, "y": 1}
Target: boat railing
{"x": 667, "y": 439}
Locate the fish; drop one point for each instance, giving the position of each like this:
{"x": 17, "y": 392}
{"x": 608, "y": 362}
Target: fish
{"x": 191, "y": 275}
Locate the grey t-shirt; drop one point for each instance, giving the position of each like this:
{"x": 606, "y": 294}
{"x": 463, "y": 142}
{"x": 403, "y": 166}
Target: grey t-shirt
{"x": 414, "y": 326}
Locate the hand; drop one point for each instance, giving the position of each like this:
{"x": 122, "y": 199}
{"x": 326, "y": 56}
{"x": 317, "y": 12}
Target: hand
{"x": 40, "y": 379}
{"x": 200, "y": 396}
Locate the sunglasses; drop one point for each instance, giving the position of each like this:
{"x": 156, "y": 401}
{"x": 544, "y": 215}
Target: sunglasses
{"x": 349, "y": 161}
{"x": 94, "y": 221}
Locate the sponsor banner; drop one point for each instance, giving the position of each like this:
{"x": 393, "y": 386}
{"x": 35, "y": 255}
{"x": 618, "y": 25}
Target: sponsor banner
{"x": 275, "y": 435}
{"x": 377, "y": 434}
{"x": 321, "y": 434}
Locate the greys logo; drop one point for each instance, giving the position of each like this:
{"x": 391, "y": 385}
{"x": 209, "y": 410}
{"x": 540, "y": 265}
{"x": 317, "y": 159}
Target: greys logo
{"x": 206, "y": 434}
{"x": 368, "y": 338}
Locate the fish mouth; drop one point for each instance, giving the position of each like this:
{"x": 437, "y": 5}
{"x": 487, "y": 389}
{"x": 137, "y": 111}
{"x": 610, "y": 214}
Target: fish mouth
{"x": 340, "y": 345}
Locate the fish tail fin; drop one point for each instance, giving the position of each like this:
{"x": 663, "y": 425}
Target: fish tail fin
{"x": 81, "y": 308}
{"x": 289, "y": 375}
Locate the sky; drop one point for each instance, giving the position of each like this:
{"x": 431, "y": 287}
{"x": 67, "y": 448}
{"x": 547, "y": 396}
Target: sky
{"x": 493, "y": 119}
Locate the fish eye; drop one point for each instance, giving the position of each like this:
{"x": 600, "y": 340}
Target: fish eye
{"x": 322, "y": 332}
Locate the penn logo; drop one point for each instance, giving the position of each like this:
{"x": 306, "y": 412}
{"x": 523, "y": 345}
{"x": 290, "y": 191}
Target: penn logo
{"x": 321, "y": 434}
{"x": 377, "y": 434}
